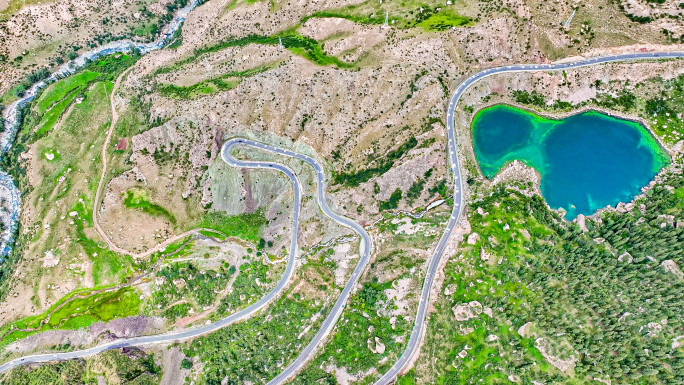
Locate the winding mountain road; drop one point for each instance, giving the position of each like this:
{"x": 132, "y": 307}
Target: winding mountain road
{"x": 249, "y": 311}
{"x": 364, "y": 247}
{"x": 413, "y": 345}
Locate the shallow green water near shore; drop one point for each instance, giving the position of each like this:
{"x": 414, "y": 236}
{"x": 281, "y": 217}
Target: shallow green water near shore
{"x": 587, "y": 161}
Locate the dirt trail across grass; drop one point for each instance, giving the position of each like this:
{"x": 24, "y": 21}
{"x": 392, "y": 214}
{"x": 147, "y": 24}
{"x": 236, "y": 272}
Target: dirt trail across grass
{"x": 96, "y": 202}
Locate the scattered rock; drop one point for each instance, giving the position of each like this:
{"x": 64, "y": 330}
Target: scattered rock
{"x": 525, "y": 234}
{"x": 467, "y": 311}
{"x": 565, "y": 365}
{"x": 483, "y": 255}
{"x": 379, "y": 347}
{"x": 473, "y": 238}
{"x": 602, "y": 380}
{"x": 449, "y": 290}
{"x": 670, "y": 266}
{"x": 581, "y": 222}
{"x": 522, "y": 331}
{"x": 679, "y": 147}
{"x": 50, "y": 260}
{"x": 122, "y": 144}
{"x": 625, "y": 257}
{"x": 654, "y": 328}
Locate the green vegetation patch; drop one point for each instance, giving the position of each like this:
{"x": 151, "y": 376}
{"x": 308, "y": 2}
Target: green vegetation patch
{"x": 392, "y": 203}
{"x": 184, "y": 281}
{"x": 664, "y": 112}
{"x": 349, "y": 13}
{"x": 222, "y": 83}
{"x": 188, "y": 286}
{"x": 256, "y": 350}
{"x": 357, "y": 333}
{"x": 430, "y": 15}
{"x": 56, "y": 99}
{"x": 53, "y": 114}
{"x": 248, "y": 226}
{"x": 442, "y": 21}
{"x": 100, "y": 307}
{"x": 59, "y": 90}
{"x": 626, "y": 100}
{"x": 207, "y": 87}
{"x": 108, "y": 266}
{"x": 384, "y": 164}
{"x": 300, "y": 45}
{"x": 415, "y": 190}
{"x": 111, "y": 66}
{"x": 84, "y": 102}
{"x": 250, "y": 284}
{"x": 74, "y": 312}
{"x": 136, "y": 198}
{"x": 177, "y": 311}
{"x": 181, "y": 247}
{"x": 530, "y": 98}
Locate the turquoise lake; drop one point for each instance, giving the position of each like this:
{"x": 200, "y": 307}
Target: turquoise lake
{"x": 587, "y": 161}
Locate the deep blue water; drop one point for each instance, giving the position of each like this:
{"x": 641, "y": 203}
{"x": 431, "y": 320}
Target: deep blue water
{"x": 587, "y": 161}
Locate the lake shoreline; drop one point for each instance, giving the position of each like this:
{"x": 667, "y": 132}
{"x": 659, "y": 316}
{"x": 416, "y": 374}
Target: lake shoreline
{"x": 560, "y": 115}
{"x": 664, "y": 157}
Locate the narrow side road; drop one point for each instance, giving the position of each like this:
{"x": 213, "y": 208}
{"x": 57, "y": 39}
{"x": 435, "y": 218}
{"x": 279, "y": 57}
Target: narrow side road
{"x": 96, "y": 202}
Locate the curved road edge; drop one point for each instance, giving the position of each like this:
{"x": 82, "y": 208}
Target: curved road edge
{"x": 419, "y": 326}
{"x": 365, "y": 247}
{"x": 195, "y": 332}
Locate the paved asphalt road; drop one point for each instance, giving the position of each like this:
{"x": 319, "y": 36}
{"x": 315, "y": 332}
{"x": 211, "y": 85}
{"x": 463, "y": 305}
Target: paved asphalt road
{"x": 419, "y": 326}
{"x": 364, "y": 247}
{"x": 364, "y": 252}
{"x": 194, "y": 332}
